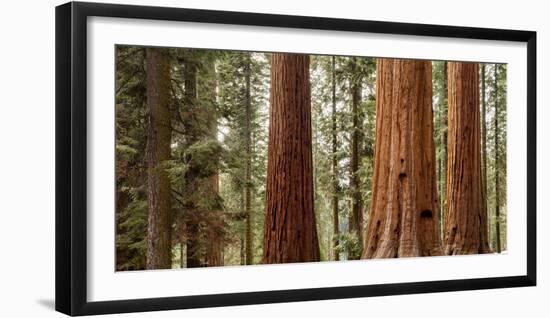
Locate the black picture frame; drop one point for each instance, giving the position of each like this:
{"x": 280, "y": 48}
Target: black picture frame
{"x": 71, "y": 157}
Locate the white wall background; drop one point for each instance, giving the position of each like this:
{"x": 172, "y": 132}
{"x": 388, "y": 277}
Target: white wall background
{"x": 27, "y": 158}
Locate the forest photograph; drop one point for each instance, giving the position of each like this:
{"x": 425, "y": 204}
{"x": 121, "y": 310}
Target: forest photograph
{"x": 230, "y": 158}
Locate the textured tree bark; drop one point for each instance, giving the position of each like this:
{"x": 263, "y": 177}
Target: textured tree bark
{"x": 248, "y": 166}
{"x": 214, "y": 253}
{"x": 443, "y": 123}
{"x": 290, "y": 233}
{"x": 356, "y": 215}
{"x": 335, "y": 217}
{"x": 159, "y": 248}
{"x": 466, "y": 216}
{"x": 404, "y": 214}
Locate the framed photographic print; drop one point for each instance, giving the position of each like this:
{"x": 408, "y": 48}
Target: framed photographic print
{"x": 208, "y": 158}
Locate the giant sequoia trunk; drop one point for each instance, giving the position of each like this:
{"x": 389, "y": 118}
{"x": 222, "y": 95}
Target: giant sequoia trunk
{"x": 404, "y": 214}
{"x": 290, "y": 233}
{"x": 159, "y": 254}
{"x": 466, "y": 216}
{"x": 356, "y": 215}
{"x": 443, "y": 125}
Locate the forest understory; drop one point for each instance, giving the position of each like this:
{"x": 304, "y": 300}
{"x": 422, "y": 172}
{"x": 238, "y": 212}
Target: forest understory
{"x": 241, "y": 158}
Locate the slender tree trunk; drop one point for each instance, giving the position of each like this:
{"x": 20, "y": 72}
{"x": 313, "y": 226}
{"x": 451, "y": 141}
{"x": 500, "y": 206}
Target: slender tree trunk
{"x": 242, "y": 238}
{"x": 214, "y": 250}
{"x": 182, "y": 262}
{"x": 484, "y": 146}
{"x": 290, "y": 233}
{"x": 335, "y": 221}
{"x": 159, "y": 244}
{"x": 466, "y": 217}
{"x": 356, "y": 215}
{"x": 497, "y": 175}
{"x": 192, "y": 244}
{"x": 404, "y": 214}
{"x": 248, "y": 166}
{"x": 190, "y": 100}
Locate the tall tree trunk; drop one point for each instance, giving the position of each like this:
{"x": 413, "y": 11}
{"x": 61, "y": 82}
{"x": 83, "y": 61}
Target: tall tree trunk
{"x": 159, "y": 244}
{"x": 192, "y": 244}
{"x": 404, "y": 214}
{"x": 444, "y": 132}
{"x": 335, "y": 221}
{"x": 248, "y": 166}
{"x": 440, "y": 167}
{"x": 484, "y": 146}
{"x": 290, "y": 233}
{"x": 214, "y": 250}
{"x": 182, "y": 262}
{"x": 215, "y": 247}
{"x": 190, "y": 101}
{"x": 466, "y": 216}
{"x": 356, "y": 215}
{"x": 497, "y": 176}
{"x": 242, "y": 236}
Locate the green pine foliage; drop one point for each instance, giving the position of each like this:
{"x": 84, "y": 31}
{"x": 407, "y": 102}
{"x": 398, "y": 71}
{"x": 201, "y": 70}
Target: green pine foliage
{"x": 495, "y": 185}
{"x": 131, "y": 201}
{"x": 232, "y": 70}
{"x": 321, "y": 81}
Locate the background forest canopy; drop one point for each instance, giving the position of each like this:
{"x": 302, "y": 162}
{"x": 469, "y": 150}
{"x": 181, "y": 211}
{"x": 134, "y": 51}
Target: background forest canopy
{"x": 202, "y": 135}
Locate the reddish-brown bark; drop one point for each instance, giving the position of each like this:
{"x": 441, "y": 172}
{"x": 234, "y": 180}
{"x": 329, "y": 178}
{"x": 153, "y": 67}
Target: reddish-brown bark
{"x": 290, "y": 233}
{"x": 465, "y": 216}
{"x": 404, "y": 214}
